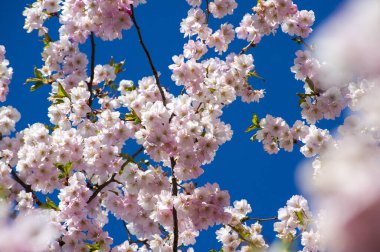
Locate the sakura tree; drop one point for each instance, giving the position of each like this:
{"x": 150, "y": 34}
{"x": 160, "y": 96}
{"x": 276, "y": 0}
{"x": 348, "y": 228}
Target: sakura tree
{"x": 60, "y": 181}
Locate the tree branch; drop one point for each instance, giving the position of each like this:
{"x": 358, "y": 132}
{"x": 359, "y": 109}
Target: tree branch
{"x": 240, "y": 235}
{"x": 259, "y": 219}
{"x": 148, "y": 56}
{"x": 207, "y": 11}
{"x": 137, "y": 152}
{"x": 251, "y": 44}
{"x": 112, "y": 179}
{"x": 175, "y": 217}
{"x": 89, "y": 84}
{"x": 100, "y": 188}
{"x": 130, "y": 240}
{"x": 27, "y": 187}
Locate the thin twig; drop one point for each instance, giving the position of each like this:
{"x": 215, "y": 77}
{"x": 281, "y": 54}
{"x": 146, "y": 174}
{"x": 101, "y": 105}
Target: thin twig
{"x": 100, "y": 188}
{"x": 130, "y": 240}
{"x": 112, "y": 179}
{"x": 199, "y": 106}
{"x": 175, "y": 217}
{"x": 207, "y": 11}
{"x": 251, "y": 44}
{"x": 137, "y": 152}
{"x": 148, "y": 56}
{"x": 89, "y": 84}
{"x": 259, "y": 219}
{"x": 240, "y": 236}
{"x": 27, "y": 187}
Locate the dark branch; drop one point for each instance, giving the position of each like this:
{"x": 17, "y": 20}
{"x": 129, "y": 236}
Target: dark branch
{"x": 259, "y": 219}
{"x": 175, "y": 217}
{"x": 137, "y": 152}
{"x": 26, "y": 187}
{"x": 148, "y": 56}
{"x": 112, "y": 179}
{"x": 130, "y": 240}
{"x": 89, "y": 84}
{"x": 207, "y": 11}
{"x": 101, "y": 187}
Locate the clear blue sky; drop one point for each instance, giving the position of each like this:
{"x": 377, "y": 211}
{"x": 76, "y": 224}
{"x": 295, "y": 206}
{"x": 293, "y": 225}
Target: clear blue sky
{"x": 240, "y": 166}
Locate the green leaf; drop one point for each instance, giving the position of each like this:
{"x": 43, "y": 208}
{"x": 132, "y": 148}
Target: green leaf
{"x": 203, "y": 133}
{"x": 64, "y": 168}
{"x": 255, "y": 74}
{"x": 57, "y": 101}
{"x": 300, "y": 101}
{"x": 61, "y": 91}
{"x": 47, "y": 39}
{"x": 255, "y": 123}
{"x": 113, "y": 86}
{"x": 255, "y": 120}
{"x": 250, "y": 128}
{"x": 49, "y": 204}
{"x": 133, "y": 87}
{"x": 112, "y": 61}
{"x": 298, "y": 40}
{"x": 93, "y": 247}
{"x": 310, "y": 83}
{"x": 37, "y": 73}
{"x": 119, "y": 67}
{"x": 254, "y": 137}
{"x": 299, "y": 217}
{"x": 132, "y": 117}
{"x": 67, "y": 168}
{"x": 36, "y": 86}
{"x": 30, "y": 80}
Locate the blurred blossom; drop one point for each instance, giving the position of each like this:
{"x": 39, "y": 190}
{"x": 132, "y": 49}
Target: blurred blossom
{"x": 30, "y": 231}
{"x": 349, "y": 42}
{"x": 346, "y": 174}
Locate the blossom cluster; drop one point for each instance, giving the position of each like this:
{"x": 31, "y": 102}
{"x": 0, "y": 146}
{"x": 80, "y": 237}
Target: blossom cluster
{"x": 275, "y": 133}
{"x": 185, "y": 129}
{"x": 78, "y": 18}
{"x": 296, "y": 217}
{"x": 269, "y": 15}
{"x": 321, "y": 102}
{"x": 231, "y": 235}
{"x": 5, "y": 75}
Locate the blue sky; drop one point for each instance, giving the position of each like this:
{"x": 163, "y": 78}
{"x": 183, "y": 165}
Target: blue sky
{"x": 240, "y": 166}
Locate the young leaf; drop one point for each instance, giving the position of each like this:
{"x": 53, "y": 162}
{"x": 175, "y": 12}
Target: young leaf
{"x": 119, "y": 67}
{"x": 47, "y": 39}
{"x": 36, "y": 85}
{"x": 37, "y": 73}
{"x": 212, "y": 90}
{"x": 310, "y": 83}
{"x": 57, "y": 101}
{"x": 61, "y": 91}
{"x": 250, "y": 128}
{"x": 255, "y": 74}
{"x": 254, "y": 137}
{"x": 93, "y": 247}
{"x": 255, "y": 120}
{"x": 49, "y": 204}
{"x": 67, "y": 168}
{"x": 299, "y": 216}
